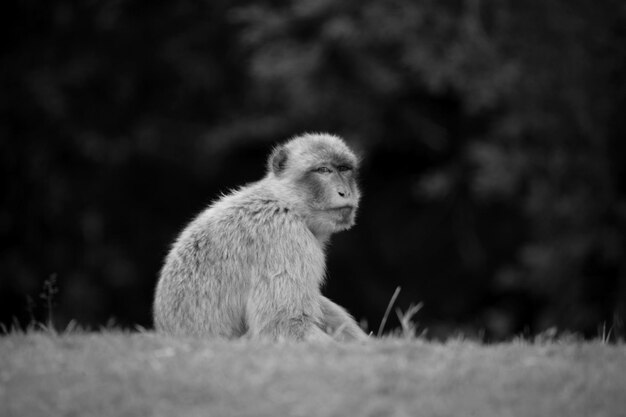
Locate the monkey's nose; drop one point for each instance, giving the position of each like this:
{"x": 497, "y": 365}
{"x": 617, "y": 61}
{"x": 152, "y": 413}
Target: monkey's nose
{"x": 342, "y": 193}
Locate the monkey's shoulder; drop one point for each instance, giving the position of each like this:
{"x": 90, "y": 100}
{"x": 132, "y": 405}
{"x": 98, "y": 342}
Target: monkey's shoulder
{"x": 257, "y": 202}
{"x": 256, "y": 211}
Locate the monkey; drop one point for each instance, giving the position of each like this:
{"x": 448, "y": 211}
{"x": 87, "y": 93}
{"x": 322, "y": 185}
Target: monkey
{"x": 252, "y": 264}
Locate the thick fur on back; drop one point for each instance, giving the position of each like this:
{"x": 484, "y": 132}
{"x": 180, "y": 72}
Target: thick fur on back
{"x": 250, "y": 264}
{"x": 215, "y": 267}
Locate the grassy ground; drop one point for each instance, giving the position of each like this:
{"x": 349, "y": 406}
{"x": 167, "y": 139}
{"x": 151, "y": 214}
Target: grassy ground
{"x": 144, "y": 374}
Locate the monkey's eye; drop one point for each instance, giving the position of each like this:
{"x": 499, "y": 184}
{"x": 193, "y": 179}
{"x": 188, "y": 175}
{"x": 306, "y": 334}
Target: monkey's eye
{"x": 323, "y": 170}
{"x": 344, "y": 168}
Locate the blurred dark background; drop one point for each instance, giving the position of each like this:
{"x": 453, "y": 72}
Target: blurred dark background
{"x": 492, "y": 134}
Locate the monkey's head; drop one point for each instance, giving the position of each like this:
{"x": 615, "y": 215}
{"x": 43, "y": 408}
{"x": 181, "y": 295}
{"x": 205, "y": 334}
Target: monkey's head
{"x": 320, "y": 171}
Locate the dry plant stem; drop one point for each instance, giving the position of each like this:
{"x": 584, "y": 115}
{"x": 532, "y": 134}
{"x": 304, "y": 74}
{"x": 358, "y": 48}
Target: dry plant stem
{"x": 409, "y": 330}
{"x": 49, "y": 291}
{"x": 384, "y": 320}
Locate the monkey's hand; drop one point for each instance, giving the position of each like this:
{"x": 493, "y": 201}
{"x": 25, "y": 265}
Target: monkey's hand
{"x": 339, "y": 323}
{"x": 317, "y": 335}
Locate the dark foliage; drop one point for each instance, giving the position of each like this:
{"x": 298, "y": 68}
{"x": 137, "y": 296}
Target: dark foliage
{"x": 492, "y": 135}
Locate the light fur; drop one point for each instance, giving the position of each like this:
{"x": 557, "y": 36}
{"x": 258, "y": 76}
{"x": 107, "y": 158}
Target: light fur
{"x": 253, "y": 262}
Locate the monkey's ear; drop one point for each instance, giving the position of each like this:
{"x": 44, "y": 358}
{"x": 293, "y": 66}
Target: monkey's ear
{"x": 277, "y": 161}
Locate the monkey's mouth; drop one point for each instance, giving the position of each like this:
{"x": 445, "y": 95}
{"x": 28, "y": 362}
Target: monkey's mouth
{"x": 343, "y": 211}
{"x": 342, "y": 215}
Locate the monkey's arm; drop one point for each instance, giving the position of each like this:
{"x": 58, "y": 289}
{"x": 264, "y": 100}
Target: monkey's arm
{"x": 339, "y": 323}
{"x": 286, "y": 268}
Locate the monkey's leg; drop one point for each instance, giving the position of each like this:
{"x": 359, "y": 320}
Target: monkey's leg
{"x": 272, "y": 311}
{"x": 339, "y": 322}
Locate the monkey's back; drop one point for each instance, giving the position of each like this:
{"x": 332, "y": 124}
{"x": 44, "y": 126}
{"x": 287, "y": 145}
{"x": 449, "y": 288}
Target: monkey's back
{"x": 247, "y": 236}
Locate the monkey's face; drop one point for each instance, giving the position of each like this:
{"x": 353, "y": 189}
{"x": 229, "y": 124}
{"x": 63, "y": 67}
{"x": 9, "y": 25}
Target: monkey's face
{"x": 332, "y": 195}
{"x": 322, "y": 171}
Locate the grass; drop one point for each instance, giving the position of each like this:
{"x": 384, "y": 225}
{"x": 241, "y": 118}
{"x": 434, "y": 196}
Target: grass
{"x": 145, "y": 374}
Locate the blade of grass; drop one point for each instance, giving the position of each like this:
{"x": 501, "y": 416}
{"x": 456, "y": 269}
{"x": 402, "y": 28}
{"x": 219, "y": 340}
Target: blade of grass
{"x": 384, "y": 320}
